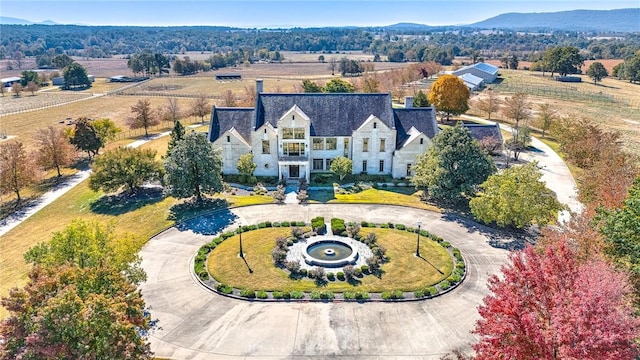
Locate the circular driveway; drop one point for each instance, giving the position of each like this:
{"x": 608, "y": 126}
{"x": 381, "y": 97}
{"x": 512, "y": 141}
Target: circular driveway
{"x": 194, "y": 323}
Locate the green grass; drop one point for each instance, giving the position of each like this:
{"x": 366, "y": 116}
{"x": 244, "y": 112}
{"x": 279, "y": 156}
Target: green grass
{"x": 403, "y": 272}
{"x": 403, "y": 196}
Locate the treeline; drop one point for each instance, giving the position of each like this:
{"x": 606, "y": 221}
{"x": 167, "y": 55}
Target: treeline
{"x": 436, "y": 44}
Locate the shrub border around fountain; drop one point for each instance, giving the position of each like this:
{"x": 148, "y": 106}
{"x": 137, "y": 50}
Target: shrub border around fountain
{"x": 201, "y": 274}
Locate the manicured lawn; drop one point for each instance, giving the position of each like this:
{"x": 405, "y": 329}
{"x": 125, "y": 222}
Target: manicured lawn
{"x": 403, "y": 272}
{"x": 404, "y": 196}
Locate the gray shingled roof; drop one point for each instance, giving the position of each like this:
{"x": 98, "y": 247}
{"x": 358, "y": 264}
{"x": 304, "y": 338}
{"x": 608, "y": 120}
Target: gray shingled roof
{"x": 481, "y": 131}
{"x": 423, "y": 119}
{"x": 223, "y": 119}
{"x": 330, "y": 114}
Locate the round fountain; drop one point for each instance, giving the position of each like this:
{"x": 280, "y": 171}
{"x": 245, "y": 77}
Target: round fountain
{"x": 329, "y": 253}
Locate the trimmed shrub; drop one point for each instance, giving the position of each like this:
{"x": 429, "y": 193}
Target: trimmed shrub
{"x": 444, "y": 285}
{"x": 418, "y": 294}
{"x": 338, "y": 226}
{"x": 431, "y": 291}
{"x": 349, "y": 295}
{"x": 278, "y": 295}
{"x": 262, "y": 294}
{"x": 357, "y": 272}
{"x": 225, "y": 289}
{"x": 301, "y": 223}
{"x": 284, "y": 224}
{"x": 362, "y": 295}
{"x": 249, "y": 294}
{"x": 384, "y": 226}
{"x": 400, "y": 227}
{"x": 227, "y": 235}
{"x": 331, "y": 276}
{"x": 327, "y": 295}
{"x": 445, "y": 244}
{"x": 268, "y": 224}
{"x": 262, "y": 225}
{"x": 317, "y": 223}
{"x": 364, "y": 269}
{"x": 454, "y": 279}
{"x": 296, "y": 294}
{"x": 390, "y": 225}
{"x": 340, "y": 276}
{"x": 460, "y": 265}
{"x": 315, "y": 295}
{"x": 392, "y": 295}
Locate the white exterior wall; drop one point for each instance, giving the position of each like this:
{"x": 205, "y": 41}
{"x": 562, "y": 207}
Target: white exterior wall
{"x": 374, "y": 155}
{"x": 267, "y": 164}
{"x": 231, "y": 151}
{"x": 329, "y": 154}
{"x": 294, "y": 118}
{"x": 408, "y": 154}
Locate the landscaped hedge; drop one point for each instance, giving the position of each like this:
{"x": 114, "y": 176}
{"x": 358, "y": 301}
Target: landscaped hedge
{"x": 317, "y": 224}
{"x": 338, "y": 227}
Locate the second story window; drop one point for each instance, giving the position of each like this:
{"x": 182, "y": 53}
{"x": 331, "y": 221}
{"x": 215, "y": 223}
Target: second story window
{"x": 383, "y": 143}
{"x": 365, "y": 145}
{"x": 318, "y": 144}
{"x": 266, "y": 147}
{"x": 332, "y": 143}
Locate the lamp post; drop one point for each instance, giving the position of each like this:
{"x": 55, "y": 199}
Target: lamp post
{"x": 240, "y": 232}
{"x": 418, "y": 245}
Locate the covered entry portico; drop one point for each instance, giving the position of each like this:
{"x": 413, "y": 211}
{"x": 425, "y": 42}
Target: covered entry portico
{"x": 294, "y": 169}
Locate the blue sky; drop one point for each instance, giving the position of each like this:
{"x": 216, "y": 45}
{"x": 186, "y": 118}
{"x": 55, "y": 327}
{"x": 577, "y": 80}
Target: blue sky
{"x": 288, "y": 13}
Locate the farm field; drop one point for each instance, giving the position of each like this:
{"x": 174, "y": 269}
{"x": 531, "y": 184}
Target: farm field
{"x": 612, "y": 103}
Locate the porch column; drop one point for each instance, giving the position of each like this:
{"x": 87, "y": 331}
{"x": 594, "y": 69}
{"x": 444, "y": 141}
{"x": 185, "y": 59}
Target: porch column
{"x": 279, "y": 172}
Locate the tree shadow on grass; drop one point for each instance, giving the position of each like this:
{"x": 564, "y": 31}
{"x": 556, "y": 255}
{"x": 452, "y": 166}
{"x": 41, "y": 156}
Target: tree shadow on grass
{"x": 123, "y": 203}
{"x": 201, "y": 218}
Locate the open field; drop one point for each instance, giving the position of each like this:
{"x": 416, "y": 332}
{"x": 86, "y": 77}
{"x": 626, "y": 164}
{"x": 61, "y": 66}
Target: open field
{"x": 612, "y": 103}
{"x": 608, "y": 64}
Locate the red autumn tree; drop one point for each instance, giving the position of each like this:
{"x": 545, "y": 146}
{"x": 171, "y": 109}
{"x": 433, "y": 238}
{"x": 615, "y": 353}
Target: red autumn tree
{"x": 551, "y": 306}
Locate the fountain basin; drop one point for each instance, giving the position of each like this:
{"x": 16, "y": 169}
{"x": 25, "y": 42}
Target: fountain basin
{"x": 329, "y": 253}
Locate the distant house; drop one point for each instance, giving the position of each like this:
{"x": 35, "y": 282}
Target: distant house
{"x": 231, "y": 76}
{"x": 486, "y": 131}
{"x": 473, "y": 82}
{"x": 487, "y": 72}
{"x": 122, "y": 78}
{"x": 292, "y": 136}
{"x": 10, "y": 81}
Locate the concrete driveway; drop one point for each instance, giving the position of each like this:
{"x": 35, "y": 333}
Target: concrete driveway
{"x": 197, "y": 324}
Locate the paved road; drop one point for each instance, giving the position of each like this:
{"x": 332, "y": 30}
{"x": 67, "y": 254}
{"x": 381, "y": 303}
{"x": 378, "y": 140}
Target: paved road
{"x": 555, "y": 172}
{"x": 197, "y": 324}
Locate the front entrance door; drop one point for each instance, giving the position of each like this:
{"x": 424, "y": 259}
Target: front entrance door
{"x": 294, "y": 171}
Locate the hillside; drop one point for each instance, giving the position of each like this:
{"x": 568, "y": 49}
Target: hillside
{"x": 619, "y": 20}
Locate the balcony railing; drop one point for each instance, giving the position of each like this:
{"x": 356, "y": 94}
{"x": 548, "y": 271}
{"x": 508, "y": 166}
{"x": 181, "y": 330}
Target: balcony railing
{"x": 293, "y": 158}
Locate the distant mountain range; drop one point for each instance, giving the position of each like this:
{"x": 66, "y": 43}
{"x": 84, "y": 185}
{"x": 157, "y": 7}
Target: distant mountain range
{"x": 619, "y": 20}
{"x": 15, "y": 21}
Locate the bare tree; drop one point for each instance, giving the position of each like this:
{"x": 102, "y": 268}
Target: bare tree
{"x": 17, "y": 168}
{"x": 32, "y": 86}
{"x": 518, "y": 108}
{"x": 54, "y": 149}
{"x": 172, "y": 109}
{"x": 201, "y": 107}
{"x": 249, "y": 98}
{"x": 546, "y": 116}
{"x": 16, "y": 88}
{"x": 333, "y": 65}
{"x": 489, "y": 103}
{"x": 144, "y": 116}
{"x": 228, "y": 99}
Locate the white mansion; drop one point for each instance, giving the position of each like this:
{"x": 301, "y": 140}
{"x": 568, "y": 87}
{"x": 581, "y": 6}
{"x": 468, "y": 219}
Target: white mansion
{"x": 294, "y": 135}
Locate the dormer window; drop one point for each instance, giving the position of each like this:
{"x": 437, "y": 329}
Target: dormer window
{"x": 421, "y": 141}
{"x": 265, "y": 130}
{"x": 293, "y": 117}
{"x": 375, "y": 125}
{"x": 228, "y": 138}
